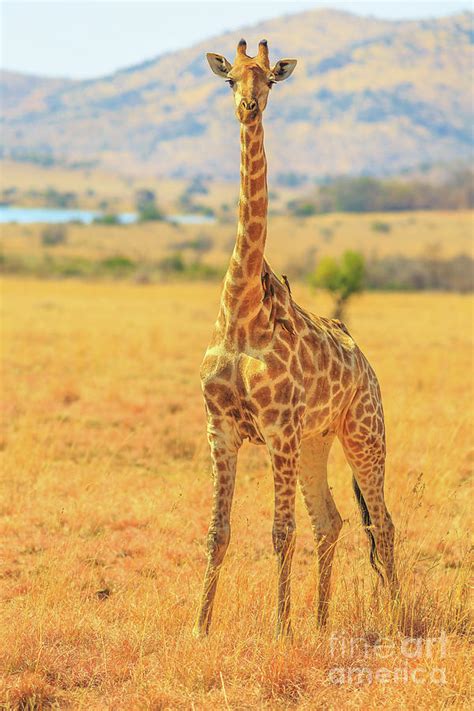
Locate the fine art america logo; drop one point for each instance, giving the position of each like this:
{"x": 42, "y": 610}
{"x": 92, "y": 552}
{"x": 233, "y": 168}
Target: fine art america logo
{"x": 362, "y": 660}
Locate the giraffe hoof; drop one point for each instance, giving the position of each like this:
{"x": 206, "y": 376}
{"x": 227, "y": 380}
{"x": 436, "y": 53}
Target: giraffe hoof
{"x": 199, "y": 632}
{"x": 284, "y": 634}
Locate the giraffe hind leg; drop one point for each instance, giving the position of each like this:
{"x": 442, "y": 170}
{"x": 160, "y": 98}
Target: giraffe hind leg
{"x": 367, "y": 523}
{"x": 326, "y": 521}
{"x": 363, "y": 438}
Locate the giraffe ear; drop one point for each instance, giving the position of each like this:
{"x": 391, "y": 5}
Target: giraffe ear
{"x": 283, "y": 69}
{"x": 219, "y": 64}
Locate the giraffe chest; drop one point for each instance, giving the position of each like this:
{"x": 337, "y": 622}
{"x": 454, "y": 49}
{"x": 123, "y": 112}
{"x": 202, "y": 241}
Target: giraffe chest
{"x": 288, "y": 385}
{"x": 226, "y": 395}
{"x": 255, "y": 390}
{"x": 271, "y": 392}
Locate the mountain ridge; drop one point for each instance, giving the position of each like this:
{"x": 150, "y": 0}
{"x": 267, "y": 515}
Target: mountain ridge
{"x": 368, "y": 96}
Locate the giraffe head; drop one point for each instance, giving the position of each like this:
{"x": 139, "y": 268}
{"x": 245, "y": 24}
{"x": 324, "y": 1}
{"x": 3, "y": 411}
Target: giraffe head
{"x": 250, "y": 78}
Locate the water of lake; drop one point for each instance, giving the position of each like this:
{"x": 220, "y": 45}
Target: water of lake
{"x": 28, "y": 215}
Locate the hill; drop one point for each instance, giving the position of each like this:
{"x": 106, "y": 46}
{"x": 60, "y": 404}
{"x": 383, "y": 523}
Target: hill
{"x": 368, "y": 96}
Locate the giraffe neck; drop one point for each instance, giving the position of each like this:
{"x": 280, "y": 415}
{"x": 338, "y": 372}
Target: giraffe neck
{"x": 253, "y": 202}
{"x": 244, "y": 276}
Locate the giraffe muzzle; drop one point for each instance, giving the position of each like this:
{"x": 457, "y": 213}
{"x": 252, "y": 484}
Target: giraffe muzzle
{"x": 249, "y": 104}
{"x": 248, "y": 110}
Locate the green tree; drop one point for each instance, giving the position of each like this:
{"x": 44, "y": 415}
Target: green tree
{"x": 147, "y": 209}
{"x": 144, "y": 198}
{"x": 150, "y": 213}
{"x": 342, "y": 278}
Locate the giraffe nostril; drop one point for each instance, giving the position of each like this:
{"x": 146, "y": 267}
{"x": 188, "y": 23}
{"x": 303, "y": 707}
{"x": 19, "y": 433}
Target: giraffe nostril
{"x": 248, "y": 104}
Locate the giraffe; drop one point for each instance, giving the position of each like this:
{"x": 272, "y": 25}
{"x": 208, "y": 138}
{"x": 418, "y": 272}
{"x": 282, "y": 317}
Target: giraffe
{"x": 278, "y": 375}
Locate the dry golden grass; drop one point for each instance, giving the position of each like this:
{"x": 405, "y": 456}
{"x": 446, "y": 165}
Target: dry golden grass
{"x": 106, "y": 496}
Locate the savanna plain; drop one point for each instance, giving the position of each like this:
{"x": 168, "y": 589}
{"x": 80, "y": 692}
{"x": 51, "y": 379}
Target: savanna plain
{"x": 106, "y": 497}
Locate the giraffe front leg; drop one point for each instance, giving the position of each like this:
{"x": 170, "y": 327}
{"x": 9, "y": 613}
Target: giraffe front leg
{"x": 224, "y": 462}
{"x": 284, "y": 532}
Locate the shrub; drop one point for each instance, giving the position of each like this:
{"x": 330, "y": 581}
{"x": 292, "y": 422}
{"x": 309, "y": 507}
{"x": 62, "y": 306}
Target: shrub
{"x": 117, "y": 266}
{"x": 201, "y": 244}
{"x": 144, "y": 198}
{"x": 173, "y": 263}
{"x": 199, "y": 270}
{"x": 342, "y": 278}
{"x": 150, "y": 213}
{"x": 52, "y": 235}
{"x": 197, "y": 186}
{"x": 67, "y": 267}
{"x": 187, "y": 205}
{"x": 305, "y": 209}
{"x": 379, "y": 226}
{"x": 202, "y": 210}
{"x": 55, "y": 198}
{"x": 107, "y": 219}
{"x": 146, "y": 207}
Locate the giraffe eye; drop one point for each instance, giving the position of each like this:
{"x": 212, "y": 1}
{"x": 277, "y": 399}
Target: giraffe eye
{"x": 230, "y": 82}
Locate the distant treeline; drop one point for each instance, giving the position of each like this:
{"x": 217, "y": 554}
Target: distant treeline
{"x": 391, "y": 273}
{"x": 118, "y": 266}
{"x": 398, "y": 273}
{"x": 366, "y": 194}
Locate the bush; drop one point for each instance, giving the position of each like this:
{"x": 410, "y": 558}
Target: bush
{"x": 342, "y": 278}
{"x": 144, "y": 198}
{"x": 173, "y": 263}
{"x": 55, "y": 198}
{"x": 305, "y": 209}
{"x": 201, "y": 244}
{"x": 146, "y": 207}
{"x": 187, "y": 206}
{"x": 379, "y": 226}
{"x": 108, "y": 219}
{"x": 53, "y": 235}
{"x": 197, "y": 187}
{"x": 150, "y": 213}
{"x": 117, "y": 266}
{"x": 202, "y": 210}
{"x": 67, "y": 267}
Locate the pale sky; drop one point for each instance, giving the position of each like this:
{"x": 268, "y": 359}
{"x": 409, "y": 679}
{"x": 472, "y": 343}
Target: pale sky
{"x": 92, "y": 38}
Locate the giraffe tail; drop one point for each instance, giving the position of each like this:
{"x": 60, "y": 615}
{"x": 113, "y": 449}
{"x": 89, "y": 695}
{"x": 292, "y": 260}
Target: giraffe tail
{"x": 367, "y": 523}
